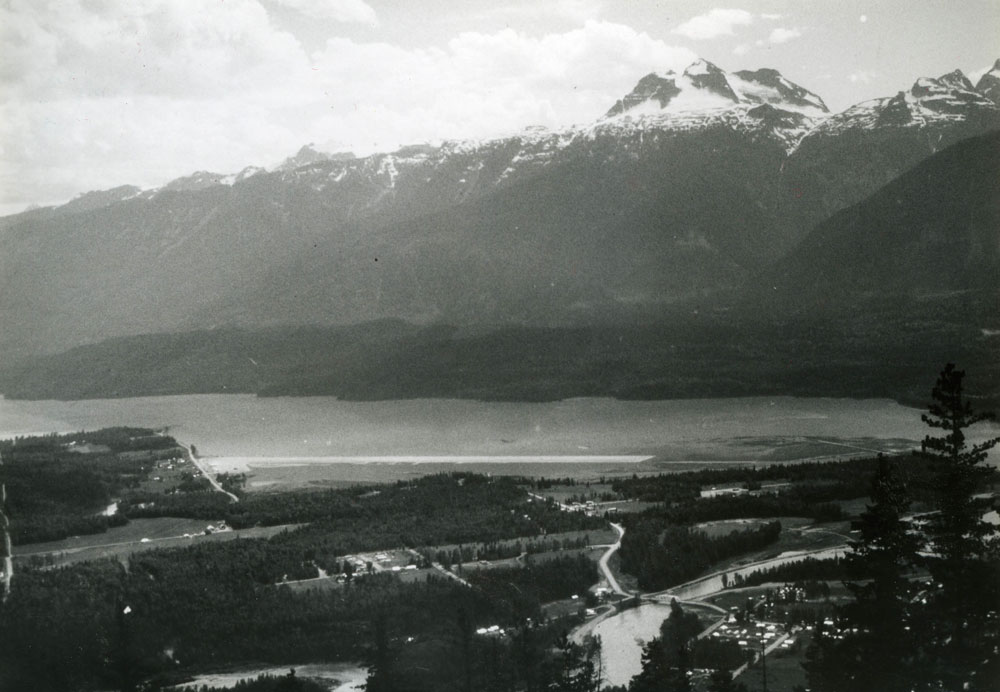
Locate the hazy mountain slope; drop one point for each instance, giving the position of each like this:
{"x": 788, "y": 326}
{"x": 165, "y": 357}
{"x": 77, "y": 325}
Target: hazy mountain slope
{"x": 676, "y": 196}
{"x": 542, "y": 227}
{"x": 933, "y": 231}
{"x": 851, "y": 154}
{"x": 622, "y": 221}
{"x": 872, "y": 300}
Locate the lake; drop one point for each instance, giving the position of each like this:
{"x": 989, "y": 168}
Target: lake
{"x": 622, "y": 639}
{"x": 316, "y": 438}
{"x": 741, "y": 429}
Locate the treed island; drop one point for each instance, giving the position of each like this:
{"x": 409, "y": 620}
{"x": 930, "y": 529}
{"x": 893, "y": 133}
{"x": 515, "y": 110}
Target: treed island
{"x": 127, "y": 566}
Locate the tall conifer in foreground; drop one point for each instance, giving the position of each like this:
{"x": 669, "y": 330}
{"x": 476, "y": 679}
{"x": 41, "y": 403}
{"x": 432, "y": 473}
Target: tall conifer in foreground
{"x": 877, "y": 652}
{"x": 961, "y": 628}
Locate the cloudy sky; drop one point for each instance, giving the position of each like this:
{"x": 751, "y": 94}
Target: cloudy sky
{"x": 99, "y": 93}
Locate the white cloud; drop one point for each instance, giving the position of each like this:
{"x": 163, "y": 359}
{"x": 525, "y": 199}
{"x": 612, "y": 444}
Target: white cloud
{"x": 356, "y": 11}
{"x": 862, "y": 76}
{"x": 717, "y": 22}
{"x": 92, "y": 98}
{"x": 58, "y": 50}
{"x": 863, "y": 18}
{"x": 486, "y": 84}
{"x": 575, "y": 11}
{"x": 783, "y": 35}
{"x": 742, "y": 49}
{"x": 772, "y": 17}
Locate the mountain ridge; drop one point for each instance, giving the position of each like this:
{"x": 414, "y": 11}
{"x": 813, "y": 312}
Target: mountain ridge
{"x": 783, "y": 97}
{"x": 620, "y": 217}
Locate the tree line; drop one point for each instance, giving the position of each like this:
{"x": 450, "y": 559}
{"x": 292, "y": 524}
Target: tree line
{"x": 55, "y": 491}
{"x": 663, "y": 555}
{"x": 941, "y": 632}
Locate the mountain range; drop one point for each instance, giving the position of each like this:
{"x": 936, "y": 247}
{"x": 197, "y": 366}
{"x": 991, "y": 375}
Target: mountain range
{"x": 732, "y": 194}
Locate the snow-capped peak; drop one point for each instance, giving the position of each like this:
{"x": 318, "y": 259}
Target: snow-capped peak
{"x": 700, "y": 67}
{"x": 247, "y": 172}
{"x": 989, "y": 84}
{"x": 308, "y": 154}
{"x": 994, "y": 71}
{"x": 931, "y": 101}
{"x": 705, "y": 86}
{"x": 770, "y": 86}
{"x": 948, "y": 95}
{"x": 953, "y": 81}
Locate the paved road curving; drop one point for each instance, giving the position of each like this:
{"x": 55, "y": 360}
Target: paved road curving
{"x": 612, "y": 582}
{"x": 206, "y": 471}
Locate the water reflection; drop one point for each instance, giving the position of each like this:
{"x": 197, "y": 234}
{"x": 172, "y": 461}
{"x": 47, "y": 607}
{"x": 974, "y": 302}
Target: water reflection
{"x": 622, "y": 638}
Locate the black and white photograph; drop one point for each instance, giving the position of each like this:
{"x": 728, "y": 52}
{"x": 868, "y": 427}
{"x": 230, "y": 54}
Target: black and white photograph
{"x": 499, "y": 346}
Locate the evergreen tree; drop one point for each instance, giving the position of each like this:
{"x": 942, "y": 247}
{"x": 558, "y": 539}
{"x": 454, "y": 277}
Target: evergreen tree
{"x": 828, "y": 664}
{"x": 878, "y": 650}
{"x": 666, "y": 660}
{"x": 887, "y": 553}
{"x": 957, "y": 530}
{"x": 722, "y": 681}
{"x": 379, "y": 676}
{"x": 591, "y": 671}
{"x": 962, "y": 609}
{"x": 654, "y": 671}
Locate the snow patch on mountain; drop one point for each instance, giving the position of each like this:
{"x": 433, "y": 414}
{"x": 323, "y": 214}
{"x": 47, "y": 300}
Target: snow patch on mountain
{"x": 761, "y": 104}
{"x": 704, "y": 86}
{"x": 929, "y": 102}
{"x": 989, "y": 84}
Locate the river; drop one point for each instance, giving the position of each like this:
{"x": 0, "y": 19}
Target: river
{"x": 623, "y": 635}
{"x": 336, "y": 677}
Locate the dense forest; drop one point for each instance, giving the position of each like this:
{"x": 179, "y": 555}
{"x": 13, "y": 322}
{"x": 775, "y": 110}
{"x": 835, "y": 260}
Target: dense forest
{"x": 923, "y": 577}
{"x": 661, "y": 556}
{"x": 216, "y": 602}
{"x": 878, "y": 357}
{"x": 57, "y": 485}
{"x": 538, "y": 582}
{"x": 823, "y": 480}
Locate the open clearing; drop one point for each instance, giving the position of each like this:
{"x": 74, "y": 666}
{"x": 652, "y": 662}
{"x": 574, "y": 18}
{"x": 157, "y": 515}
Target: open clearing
{"x": 120, "y": 541}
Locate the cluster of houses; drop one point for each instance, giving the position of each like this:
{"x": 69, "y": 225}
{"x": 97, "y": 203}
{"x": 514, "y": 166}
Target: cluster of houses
{"x": 590, "y": 508}
{"x": 723, "y": 492}
{"x": 379, "y": 562}
{"x": 754, "y": 636}
{"x": 169, "y": 464}
{"x": 789, "y": 593}
{"x": 217, "y": 528}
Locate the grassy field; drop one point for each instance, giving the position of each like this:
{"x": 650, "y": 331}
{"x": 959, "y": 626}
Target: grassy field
{"x": 714, "y": 529}
{"x": 270, "y": 476}
{"x": 855, "y": 507}
{"x": 798, "y": 534}
{"x": 594, "y": 537}
{"x": 578, "y": 491}
{"x": 134, "y": 531}
{"x": 121, "y": 541}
